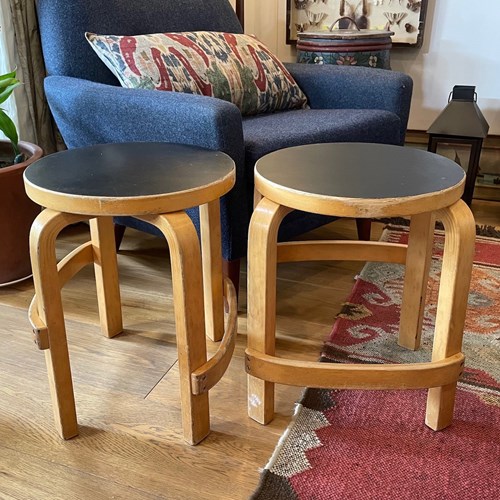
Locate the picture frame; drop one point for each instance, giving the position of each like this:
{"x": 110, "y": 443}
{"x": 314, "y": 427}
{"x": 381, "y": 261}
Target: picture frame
{"x": 406, "y": 18}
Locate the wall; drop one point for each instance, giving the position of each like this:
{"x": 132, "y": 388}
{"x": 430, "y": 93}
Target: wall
{"x": 461, "y": 47}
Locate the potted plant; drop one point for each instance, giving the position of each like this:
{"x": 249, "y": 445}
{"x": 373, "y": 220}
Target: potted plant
{"x": 17, "y": 211}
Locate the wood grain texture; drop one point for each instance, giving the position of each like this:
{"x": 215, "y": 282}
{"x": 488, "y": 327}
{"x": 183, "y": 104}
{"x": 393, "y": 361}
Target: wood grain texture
{"x": 67, "y": 267}
{"x": 355, "y": 376}
{"x": 205, "y": 377}
{"x": 354, "y": 207}
{"x": 211, "y": 253}
{"x": 456, "y": 271}
{"x": 418, "y": 261}
{"x": 43, "y": 236}
{"x": 127, "y": 388}
{"x": 106, "y": 275}
{"x": 138, "y": 205}
{"x": 441, "y": 374}
{"x": 334, "y": 179}
{"x": 87, "y": 180}
{"x": 189, "y": 317}
{"x": 262, "y": 262}
{"x": 374, "y": 251}
{"x": 194, "y": 296}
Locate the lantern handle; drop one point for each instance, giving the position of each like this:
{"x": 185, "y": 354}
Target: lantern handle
{"x": 451, "y": 93}
{"x": 344, "y": 17}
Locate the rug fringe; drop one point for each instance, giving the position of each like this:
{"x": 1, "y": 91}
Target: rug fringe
{"x": 488, "y": 231}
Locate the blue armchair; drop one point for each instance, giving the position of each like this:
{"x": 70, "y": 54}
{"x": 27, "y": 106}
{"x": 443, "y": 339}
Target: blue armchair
{"x": 347, "y": 104}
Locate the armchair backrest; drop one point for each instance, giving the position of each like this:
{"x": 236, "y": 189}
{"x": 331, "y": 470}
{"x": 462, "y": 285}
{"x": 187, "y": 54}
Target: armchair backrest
{"x": 64, "y": 22}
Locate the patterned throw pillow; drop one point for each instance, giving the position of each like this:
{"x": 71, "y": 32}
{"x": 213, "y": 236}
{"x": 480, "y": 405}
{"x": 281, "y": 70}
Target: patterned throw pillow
{"x": 233, "y": 67}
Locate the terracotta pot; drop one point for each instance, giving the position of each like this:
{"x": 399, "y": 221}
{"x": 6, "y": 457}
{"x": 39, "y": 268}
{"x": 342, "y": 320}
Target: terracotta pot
{"x": 17, "y": 213}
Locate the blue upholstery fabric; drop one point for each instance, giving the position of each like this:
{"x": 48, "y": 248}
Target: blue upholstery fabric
{"x": 63, "y": 23}
{"x": 347, "y": 104}
{"x": 350, "y": 87}
{"x": 266, "y": 133}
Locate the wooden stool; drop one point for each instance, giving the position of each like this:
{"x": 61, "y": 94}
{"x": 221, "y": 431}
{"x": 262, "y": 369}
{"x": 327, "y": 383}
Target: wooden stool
{"x": 362, "y": 180}
{"x": 154, "y": 182}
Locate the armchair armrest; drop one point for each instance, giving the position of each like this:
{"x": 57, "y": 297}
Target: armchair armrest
{"x": 90, "y": 113}
{"x": 343, "y": 87}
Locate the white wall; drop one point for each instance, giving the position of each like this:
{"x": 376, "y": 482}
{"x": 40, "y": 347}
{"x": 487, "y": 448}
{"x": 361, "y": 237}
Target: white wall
{"x": 461, "y": 47}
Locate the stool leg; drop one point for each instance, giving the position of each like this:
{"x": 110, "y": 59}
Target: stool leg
{"x": 106, "y": 275}
{"x": 261, "y": 308}
{"x": 43, "y": 236}
{"x": 189, "y": 317}
{"x": 460, "y": 234}
{"x": 418, "y": 260}
{"x": 212, "y": 269}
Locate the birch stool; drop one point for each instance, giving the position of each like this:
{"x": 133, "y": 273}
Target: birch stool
{"x": 371, "y": 181}
{"x": 154, "y": 182}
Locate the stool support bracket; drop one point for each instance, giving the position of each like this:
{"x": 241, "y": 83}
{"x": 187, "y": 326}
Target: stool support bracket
{"x": 207, "y": 375}
{"x": 66, "y": 269}
{"x": 354, "y": 376}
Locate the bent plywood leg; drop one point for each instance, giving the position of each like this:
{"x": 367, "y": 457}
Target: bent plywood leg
{"x": 212, "y": 269}
{"x": 189, "y": 317}
{"x": 261, "y": 308}
{"x": 418, "y": 260}
{"x": 460, "y": 234}
{"x": 43, "y": 236}
{"x": 106, "y": 275}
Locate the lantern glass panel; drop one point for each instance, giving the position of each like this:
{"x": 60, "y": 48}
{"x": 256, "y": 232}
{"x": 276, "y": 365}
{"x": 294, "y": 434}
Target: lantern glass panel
{"x": 459, "y": 153}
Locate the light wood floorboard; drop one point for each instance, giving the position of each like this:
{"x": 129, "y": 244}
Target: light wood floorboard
{"x": 127, "y": 391}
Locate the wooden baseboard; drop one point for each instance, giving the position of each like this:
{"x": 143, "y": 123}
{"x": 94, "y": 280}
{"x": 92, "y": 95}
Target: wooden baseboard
{"x": 416, "y": 137}
{"x": 488, "y": 192}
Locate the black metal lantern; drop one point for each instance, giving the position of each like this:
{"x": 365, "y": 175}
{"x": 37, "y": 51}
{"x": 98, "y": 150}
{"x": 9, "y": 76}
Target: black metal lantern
{"x": 461, "y": 123}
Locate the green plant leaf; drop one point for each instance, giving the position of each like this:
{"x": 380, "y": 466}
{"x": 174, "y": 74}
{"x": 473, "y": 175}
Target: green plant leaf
{"x": 7, "y": 81}
{"x": 5, "y": 92}
{"x": 9, "y": 129}
{"x": 12, "y": 74}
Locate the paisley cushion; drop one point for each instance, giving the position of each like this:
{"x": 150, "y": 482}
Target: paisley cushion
{"x": 234, "y": 67}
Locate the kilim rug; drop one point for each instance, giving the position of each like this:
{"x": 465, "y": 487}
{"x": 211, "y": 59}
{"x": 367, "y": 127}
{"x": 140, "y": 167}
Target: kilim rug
{"x": 346, "y": 444}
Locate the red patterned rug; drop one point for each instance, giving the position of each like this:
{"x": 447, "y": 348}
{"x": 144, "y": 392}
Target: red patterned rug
{"x": 374, "y": 444}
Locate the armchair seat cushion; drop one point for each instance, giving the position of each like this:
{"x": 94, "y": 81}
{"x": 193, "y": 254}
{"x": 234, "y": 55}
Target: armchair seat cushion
{"x": 270, "y": 132}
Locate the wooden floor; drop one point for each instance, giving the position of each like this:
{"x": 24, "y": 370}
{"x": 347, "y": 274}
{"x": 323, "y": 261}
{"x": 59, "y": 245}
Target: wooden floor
{"x": 130, "y": 445}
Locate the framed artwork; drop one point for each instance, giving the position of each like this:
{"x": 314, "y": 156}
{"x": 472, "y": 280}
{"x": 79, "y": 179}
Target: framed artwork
{"x": 406, "y": 18}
